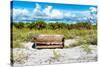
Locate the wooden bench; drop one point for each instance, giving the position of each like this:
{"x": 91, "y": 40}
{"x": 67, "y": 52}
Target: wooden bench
{"x": 48, "y": 41}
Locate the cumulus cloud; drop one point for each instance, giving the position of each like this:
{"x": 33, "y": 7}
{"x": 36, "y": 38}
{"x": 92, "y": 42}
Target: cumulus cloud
{"x": 93, "y": 9}
{"x": 47, "y": 10}
{"x": 20, "y": 14}
{"x": 93, "y": 15}
{"x": 69, "y": 14}
{"x": 49, "y": 13}
{"x": 37, "y": 9}
{"x": 37, "y": 12}
{"x": 56, "y": 14}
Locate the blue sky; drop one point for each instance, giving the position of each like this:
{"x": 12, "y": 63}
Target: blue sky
{"x": 32, "y": 11}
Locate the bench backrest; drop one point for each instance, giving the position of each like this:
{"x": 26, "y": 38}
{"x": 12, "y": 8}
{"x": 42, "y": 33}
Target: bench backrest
{"x": 48, "y": 38}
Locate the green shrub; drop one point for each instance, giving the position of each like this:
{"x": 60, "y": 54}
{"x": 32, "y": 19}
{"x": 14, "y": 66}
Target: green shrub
{"x": 19, "y": 25}
{"x": 40, "y": 25}
{"x": 91, "y": 39}
{"x": 56, "y": 54}
{"x": 31, "y": 25}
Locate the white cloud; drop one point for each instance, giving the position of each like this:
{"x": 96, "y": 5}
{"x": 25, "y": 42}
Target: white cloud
{"x": 69, "y": 14}
{"x": 49, "y": 13}
{"x": 47, "y": 10}
{"x": 93, "y": 9}
{"x": 56, "y": 14}
{"x": 93, "y": 14}
{"x": 20, "y": 14}
{"x": 37, "y": 9}
{"x": 81, "y": 13}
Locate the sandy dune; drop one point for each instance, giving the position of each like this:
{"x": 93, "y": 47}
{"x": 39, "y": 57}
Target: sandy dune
{"x": 48, "y": 56}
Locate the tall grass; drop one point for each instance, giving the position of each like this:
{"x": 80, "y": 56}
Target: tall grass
{"x": 25, "y": 34}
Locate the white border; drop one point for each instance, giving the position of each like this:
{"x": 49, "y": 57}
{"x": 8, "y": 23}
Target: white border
{"x": 5, "y": 32}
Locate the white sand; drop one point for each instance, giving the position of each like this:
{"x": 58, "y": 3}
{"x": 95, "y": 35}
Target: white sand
{"x": 66, "y": 55}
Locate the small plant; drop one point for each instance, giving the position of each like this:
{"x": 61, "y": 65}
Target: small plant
{"x": 19, "y": 57}
{"x": 93, "y": 39}
{"x": 86, "y": 48}
{"x": 56, "y": 54}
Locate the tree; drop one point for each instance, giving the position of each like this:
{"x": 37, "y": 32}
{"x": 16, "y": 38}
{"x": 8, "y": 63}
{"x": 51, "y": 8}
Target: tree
{"x": 83, "y": 25}
{"x": 56, "y": 25}
{"x": 31, "y": 25}
{"x": 40, "y": 25}
{"x": 19, "y": 25}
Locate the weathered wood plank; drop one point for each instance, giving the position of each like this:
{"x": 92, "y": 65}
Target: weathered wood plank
{"x": 48, "y": 38}
{"x": 53, "y": 46}
{"x": 49, "y": 42}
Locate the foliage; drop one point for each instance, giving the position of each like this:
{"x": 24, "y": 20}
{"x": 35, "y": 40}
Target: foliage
{"x": 19, "y": 25}
{"x": 56, "y": 25}
{"x": 30, "y": 25}
{"x": 85, "y": 40}
{"x": 40, "y": 24}
{"x": 27, "y": 30}
{"x": 19, "y": 56}
{"x": 56, "y": 54}
{"x": 83, "y": 25}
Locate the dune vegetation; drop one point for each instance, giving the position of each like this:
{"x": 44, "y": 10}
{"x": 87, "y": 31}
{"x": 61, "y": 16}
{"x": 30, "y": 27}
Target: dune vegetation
{"x": 23, "y": 32}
